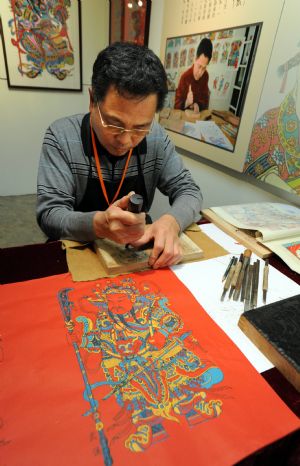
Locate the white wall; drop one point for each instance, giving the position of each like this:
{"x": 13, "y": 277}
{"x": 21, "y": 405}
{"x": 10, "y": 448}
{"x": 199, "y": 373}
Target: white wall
{"x": 25, "y": 114}
{"x": 220, "y": 185}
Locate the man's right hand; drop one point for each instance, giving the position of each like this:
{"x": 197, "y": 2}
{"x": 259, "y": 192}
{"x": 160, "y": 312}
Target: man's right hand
{"x": 189, "y": 98}
{"x": 119, "y": 225}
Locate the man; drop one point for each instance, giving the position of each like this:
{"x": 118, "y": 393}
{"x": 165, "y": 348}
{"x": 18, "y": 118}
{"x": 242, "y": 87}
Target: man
{"x": 193, "y": 91}
{"x": 90, "y": 164}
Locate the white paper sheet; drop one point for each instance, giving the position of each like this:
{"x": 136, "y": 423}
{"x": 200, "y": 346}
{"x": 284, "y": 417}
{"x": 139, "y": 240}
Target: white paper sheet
{"x": 204, "y": 280}
{"x": 211, "y": 133}
{"x": 207, "y": 131}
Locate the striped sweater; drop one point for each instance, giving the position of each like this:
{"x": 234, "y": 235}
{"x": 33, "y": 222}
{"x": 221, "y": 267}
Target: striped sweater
{"x": 65, "y": 166}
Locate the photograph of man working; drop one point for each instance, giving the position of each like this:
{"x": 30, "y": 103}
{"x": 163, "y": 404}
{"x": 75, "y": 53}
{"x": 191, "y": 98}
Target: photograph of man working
{"x": 90, "y": 164}
{"x": 193, "y": 91}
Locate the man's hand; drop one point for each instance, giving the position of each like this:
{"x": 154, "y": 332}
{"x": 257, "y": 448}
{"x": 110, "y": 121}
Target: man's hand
{"x": 196, "y": 108}
{"x": 189, "y": 98}
{"x": 119, "y": 225}
{"x": 166, "y": 250}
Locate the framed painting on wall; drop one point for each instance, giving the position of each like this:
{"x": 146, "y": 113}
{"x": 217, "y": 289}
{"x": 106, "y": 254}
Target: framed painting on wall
{"x": 208, "y": 76}
{"x": 273, "y": 154}
{"x": 42, "y": 44}
{"x": 129, "y": 21}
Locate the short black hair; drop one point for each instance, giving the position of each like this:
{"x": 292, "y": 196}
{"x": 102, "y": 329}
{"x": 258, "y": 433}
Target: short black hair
{"x": 134, "y": 70}
{"x": 205, "y": 47}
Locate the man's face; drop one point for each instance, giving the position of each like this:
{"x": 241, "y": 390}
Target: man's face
{"x": 131, "y": 114}
{"x": 200, "y": 65}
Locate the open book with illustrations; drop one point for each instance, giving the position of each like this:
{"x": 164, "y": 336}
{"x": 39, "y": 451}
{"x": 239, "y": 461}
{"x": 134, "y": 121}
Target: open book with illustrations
{"x": 274, "y": 225}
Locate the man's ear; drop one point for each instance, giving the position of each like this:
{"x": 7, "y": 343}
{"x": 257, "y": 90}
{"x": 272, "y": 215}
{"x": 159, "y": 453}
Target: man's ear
{"x": 91, "y": 99}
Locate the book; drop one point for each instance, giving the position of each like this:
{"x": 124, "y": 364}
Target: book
{"x": 275, "y": 330}
{"x": 116, "y": 258}
{"x": 268, "y": 226}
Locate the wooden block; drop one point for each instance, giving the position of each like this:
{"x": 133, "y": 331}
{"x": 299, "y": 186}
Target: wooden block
{"x": 235, "y": 121}
{"x": 175, "y": 114}
{"x": 274, "y": 329}
{"x": 205, "y": 115}
{"x": 190, "y": 115}
{"x": 240, "y": 235}
{"x": 227, "y": 116}
{"x": 165, "y": 112}
{"x": 174, "y": 125}
{"x": 117, "y": 259}
{"x": 190, "y": 250}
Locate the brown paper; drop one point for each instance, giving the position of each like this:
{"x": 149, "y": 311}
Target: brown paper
{"x": 210, "y": 248}
{"x": 84, "y": 265}
{"x": 82, "y": 261}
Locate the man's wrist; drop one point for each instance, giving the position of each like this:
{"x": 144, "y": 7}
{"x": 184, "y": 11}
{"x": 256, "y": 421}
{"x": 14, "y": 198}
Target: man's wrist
{"x": 99, "y": 224}
{"x": 174, "y": 222}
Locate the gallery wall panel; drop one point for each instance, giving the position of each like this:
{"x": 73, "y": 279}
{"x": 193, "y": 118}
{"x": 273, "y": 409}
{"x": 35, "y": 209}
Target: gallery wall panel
{"x": 197, "y": 19}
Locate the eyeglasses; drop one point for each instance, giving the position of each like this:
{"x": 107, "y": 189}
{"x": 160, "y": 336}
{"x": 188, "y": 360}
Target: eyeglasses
{"x": 120, "y": 130}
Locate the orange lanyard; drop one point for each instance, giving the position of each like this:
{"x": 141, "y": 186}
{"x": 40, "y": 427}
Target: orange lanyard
{"x": 100, "y": 172}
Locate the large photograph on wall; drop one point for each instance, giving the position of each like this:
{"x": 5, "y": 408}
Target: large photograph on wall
{"x": 274, "y": 150}
{"x": 208, "y": 76}
{"x": 42, "y": 44}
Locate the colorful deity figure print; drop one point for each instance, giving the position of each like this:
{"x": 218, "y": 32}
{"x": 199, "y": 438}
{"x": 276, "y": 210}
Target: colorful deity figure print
{"x": 234, "y": 54}
{"x": 136, "y": 354}
{"x": 183, "y": 55}
{"x": 40, "y": 33}
{"x": 168, "y": 60}
{"x": 274, "y": 151}
{"x": 215, "y": 54}
{"x": 294, "y": 248}
{"x": 225, "y": 88}
{"x": 225, "y": 34}
{"x": 225, "y": 51}
{"x": 175, "y": 59}
{"x": 191, "y": 56}
{"x": 215, "y": 82}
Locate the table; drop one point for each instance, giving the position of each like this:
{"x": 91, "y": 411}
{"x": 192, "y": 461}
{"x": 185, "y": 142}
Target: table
{"x": 41, "y": 260}
{"x": 175, "y": 120}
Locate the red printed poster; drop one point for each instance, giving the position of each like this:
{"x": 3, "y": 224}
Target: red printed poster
{"x": 126, "y": 371}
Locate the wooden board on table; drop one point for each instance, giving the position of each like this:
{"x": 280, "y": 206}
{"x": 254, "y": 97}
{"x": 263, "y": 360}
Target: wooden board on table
{"x": 240, "y": 235}
{"x": 275, "y": 330}
{"x": 227, "y": 116}
{"x": 116, "y": 258}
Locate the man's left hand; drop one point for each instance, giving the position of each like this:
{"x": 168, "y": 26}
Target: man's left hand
{"x": 166, "y": 250}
